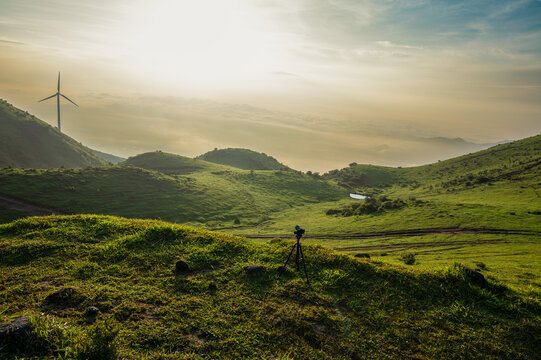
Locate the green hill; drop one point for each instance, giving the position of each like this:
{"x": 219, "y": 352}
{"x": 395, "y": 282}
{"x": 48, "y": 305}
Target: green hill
{"x": 495, "y": 188}
{"x": 242, "y": 159}
{"x": 204, "y": 193}
{"x": 353, "y": 309}
{"x": 171, "y": 164}
{"x": 482, "y": 166}
{"x": 482, "y": 208}
{"x": 27, "y": 142}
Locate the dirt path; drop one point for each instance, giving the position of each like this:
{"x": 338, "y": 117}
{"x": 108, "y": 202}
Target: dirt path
{"x": 401, "y": 233}
{"x": 418, "y": 245}
{"x": 14, "y": 204}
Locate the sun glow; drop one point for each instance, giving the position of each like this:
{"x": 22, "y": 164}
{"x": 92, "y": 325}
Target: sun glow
{"x": 204, "y": 42}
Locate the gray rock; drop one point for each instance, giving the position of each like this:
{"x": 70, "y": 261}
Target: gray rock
{"x": 182, "y": 266}
{"x": 14, "y": 333}
{"x": 363, "y": 255}
{"x": 64, "y": 297}
{"x": 91, "y": 312}
{"x": 255, "y": 270}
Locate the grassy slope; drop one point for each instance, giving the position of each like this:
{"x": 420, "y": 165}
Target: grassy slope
{"x": 354, "y": 309}
{"x": 493, "y": 163}
{"x": 442, "y": 195}
{"x": 171, "y": 164}
{"x": 26, "y": 141}
{"x": 502, "y": 192}
{"x": 213, "y": 194}
{"x": 243, "y": 159}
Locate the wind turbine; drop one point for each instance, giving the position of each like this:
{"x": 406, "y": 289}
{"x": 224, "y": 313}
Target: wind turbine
{"x": 58, "y": 95}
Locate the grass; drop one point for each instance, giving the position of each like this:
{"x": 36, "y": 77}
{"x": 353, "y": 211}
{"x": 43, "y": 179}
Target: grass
{"x": 511, "y": 259}
{"x": 26, "y": 141}
{"x": 207, "y": 196}
{"x": 243, "y": 159}
{"x": 353, "y": 308}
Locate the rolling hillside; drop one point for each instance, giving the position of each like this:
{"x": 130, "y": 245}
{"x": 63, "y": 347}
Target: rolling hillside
{"x": 189, "y": 191}
{"x": 496, "y": 188}
{"x": 482, "y": 208}
{"x": 242, "y": 159}
{"x": 171, "y": 164}
{"x": 27, "y": 142}
{"x": 214, "y": 308}
{"x": 495, "y": 163}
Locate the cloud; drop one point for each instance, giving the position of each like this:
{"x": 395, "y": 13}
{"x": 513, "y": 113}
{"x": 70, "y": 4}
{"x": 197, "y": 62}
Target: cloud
{"x": 10, "y": 42}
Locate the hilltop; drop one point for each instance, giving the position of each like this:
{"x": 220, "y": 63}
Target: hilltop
{"x": 27, "y": 142}
{"x": 171, "y": 164}
{"x": 353, "y": 309}
{"x": 242, "y": 159}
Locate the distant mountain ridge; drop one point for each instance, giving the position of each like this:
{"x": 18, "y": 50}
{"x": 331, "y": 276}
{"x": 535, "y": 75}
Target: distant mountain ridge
{"x": 28, "y": 142}
{"x": 243, "y": 159}
{"x": 466, "y": 145}
{"x": 113, "y": 159}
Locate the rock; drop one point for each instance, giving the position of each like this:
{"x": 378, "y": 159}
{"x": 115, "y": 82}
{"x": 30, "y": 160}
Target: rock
{"x": 213, "y": 286}
{"x": 182, "y": 266}
{"x": 64, "y": 297}
{"x": 363, "y": 255}
{"x": 14, "y": 333}
{"x": 476, "y": 277}
{"x": 255, "y": 270}
{"x": 91, "y": 312}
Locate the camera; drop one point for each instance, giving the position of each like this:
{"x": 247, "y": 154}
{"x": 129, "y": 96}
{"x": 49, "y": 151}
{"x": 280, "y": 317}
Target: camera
{"x": 298, "y": 232}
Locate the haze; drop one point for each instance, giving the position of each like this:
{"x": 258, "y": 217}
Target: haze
{"x": 316, "y": 84}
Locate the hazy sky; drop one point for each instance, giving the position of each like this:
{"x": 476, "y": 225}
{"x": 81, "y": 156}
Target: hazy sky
{"x": 317, "y": 84}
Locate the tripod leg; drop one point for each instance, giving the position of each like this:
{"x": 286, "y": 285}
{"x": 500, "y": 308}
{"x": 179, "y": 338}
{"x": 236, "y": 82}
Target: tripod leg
{"x": 287, "y": 260}
{"x": 304, "y": 264}
{"x": 297, "y": 255}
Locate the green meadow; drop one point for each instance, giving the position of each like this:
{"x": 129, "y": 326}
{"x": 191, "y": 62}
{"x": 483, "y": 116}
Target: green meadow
{"x": 352, "y": 308}
{"x": 454, "y": 269}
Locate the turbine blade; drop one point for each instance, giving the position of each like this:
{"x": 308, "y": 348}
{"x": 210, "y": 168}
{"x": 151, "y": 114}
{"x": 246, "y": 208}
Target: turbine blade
{"x": 59, "y": 81}
{"x": 65, "y": 97}
{"x": 48, "y": 97}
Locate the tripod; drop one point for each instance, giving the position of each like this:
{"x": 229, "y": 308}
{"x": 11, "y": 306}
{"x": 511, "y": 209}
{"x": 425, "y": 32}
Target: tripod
{"x": 299, "y": 256}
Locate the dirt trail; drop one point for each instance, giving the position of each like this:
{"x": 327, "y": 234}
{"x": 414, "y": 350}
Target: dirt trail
{"x": 14, "y": 204}
{"x": 401, "y": 233}
{"x": 419, "y": 245}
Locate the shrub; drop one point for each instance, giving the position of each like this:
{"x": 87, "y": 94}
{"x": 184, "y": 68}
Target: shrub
{"x": 408, "y": 258}
{"x": 481, "y": 265}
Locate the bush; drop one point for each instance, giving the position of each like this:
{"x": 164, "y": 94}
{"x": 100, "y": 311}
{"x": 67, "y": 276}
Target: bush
{"x": 408, "y": 258}
{"x": 370, "y": 205}
{"x": 481, "y": 265}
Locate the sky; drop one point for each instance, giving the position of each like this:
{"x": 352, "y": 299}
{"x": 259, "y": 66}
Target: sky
{"x": 315, "y": 83}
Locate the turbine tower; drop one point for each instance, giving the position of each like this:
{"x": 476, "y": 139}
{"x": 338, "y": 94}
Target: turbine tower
{"x": 58, "y": 95}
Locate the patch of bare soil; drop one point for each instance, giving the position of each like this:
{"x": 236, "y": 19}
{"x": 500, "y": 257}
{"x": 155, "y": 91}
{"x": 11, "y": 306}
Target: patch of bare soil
{"x": 15, "y": 204}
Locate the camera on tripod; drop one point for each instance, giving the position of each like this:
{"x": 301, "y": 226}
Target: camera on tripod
{"x": 299, "y": 232}
{"x": 299, "y": 256}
